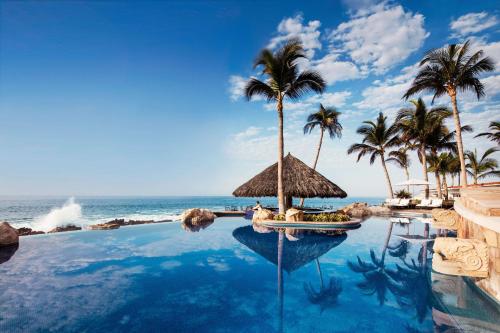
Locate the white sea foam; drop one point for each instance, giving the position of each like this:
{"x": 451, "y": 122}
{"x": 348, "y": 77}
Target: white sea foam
{"x": 69, "y": 213}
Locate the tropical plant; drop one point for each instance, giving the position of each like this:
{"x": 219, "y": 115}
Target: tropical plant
{"x": 378, "y": 137}
{"x": 483, "y": 167}
{"x": 446, "y": 71}
{"x": 418, "y": 126}
{"x": 403, "y": 194}
{"x": 284, "y": 80}
{"x": 444, "y": 164}
{"x": 441, "y": 139}
{"x": 327, "y": 119}
{"x": 400, "y": 158}
{"x": 494, "y": 135}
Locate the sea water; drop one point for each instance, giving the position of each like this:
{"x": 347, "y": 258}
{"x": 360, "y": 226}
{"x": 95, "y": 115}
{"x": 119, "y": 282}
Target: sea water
{"x": 45, "y": 213}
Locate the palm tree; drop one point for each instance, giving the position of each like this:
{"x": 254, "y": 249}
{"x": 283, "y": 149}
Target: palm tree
{"x": 484, "y": 167}
{"x": 326, "y": 296}
{"x": 378, "y": 137}
{"x": 441, "y": 139}
{"x": 454, "y": 169}
{"x": 494, "y": 135}
{"x": 447, "y": 71}
{"x": 419, "y": 125}
{"x": 327, "y": 119}
{"x": 284, "y": 80}
{"x": 400, "y": 158}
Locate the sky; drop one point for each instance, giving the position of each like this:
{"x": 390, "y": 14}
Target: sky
{"x": 145, "y": 98}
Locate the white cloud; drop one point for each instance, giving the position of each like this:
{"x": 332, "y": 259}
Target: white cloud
{"x": 334, "y": 70}
{"x": 248, "y": 133}
{"x": 293, "y": 27}
{"x": 381, "y": 39}
{"x": 472, "y": 23}
{"x": 236, "y": 87}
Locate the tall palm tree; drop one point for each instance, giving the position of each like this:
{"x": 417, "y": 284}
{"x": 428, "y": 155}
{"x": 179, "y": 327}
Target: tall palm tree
{"x": 284, "y": 80}
{"x": 494, "y": 135}
{"x": 418, "y": 126}
{"x": 446, "y": 71}
{"x": 378, "y": 138}
{"x": 483, "y": 167}
{"x": 454, "y": 169}
{"x": 327, "y": 119}
{"x": 400, "y": 158}
{"x": 448, "y": 164}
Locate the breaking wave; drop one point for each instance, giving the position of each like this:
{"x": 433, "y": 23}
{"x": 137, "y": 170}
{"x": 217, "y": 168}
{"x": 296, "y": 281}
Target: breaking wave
{"x": 69, "y": 213}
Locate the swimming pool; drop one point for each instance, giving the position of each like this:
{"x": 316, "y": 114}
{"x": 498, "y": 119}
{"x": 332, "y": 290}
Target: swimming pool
{"x": 225, "y": 278}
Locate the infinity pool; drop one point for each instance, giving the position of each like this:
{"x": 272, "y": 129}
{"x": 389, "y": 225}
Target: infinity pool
{"x": 229, "y": 277}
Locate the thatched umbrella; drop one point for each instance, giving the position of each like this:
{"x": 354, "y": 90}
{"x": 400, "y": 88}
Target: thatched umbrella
{"x": 300, "y": 181}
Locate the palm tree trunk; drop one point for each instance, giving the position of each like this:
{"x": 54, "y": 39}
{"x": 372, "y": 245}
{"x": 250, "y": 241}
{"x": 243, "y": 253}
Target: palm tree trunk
{"x": 407, "y": 178}
{"x": 445, "y": 185}
{"x": 389, "y": 185}
{"x": 458, "y": 137}
{"x": 438, "y": 185}
{"x": 316, "y": 159}
{"x": 281, "y": 195}
{"x": 424, "y": 165}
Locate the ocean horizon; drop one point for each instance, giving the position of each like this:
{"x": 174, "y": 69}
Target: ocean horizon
{"x": 46, "y": 212}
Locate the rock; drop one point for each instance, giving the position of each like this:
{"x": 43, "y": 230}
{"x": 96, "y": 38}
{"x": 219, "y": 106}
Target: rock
{"x": 28, "y": 232}
{"x": 6, "y": 252}
{"x": 196, "y": 226}
{"x": 69, "y": 227}
{"x": 197, "y": 215}
{"x": 357, "y": 209}
{"x": 8, "y": 235}
{"x": 262, "y": 214}
{"x": 104, "y": 226}
{"x": 294, "y": 215}
{"x": 380, "y": 210}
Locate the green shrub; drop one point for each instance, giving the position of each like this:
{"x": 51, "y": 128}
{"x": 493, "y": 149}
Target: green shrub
{"x": 279, "y": 217}
{"x": 403, "y": 194}
{"x": 327, "y": 217}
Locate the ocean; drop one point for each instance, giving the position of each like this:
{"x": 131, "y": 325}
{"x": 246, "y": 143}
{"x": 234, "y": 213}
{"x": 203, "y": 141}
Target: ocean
{"x": 45, "y": 213}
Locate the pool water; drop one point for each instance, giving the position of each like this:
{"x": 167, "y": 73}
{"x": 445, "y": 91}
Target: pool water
{"x": 228, "y": 277}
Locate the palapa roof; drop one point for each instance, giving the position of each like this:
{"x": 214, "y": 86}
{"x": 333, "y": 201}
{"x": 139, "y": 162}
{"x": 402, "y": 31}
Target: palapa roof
{"x": 300, "y": 181}
{"x": 295, "y": 254}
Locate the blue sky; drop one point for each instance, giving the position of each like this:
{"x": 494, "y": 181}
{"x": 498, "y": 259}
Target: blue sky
{"x": 144, "y": 98}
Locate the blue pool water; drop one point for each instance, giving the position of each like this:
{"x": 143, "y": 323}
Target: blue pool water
{"x": 227, "y": 278}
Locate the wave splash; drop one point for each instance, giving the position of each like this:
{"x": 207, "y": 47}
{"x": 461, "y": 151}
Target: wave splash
{"x": 70, "y": 212}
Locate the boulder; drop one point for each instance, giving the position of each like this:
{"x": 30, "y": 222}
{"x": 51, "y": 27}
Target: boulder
{"x": 262, "y": 215}
{"x": 6, "y": 252}
{"x": 357, "y": 209}
{"x": 28, "y": 232}
{"x": 8, "y": 235}
{"x": 197, "y": 215}
{"x": 69, "y": 227}
{"x": 104, "y": 226}
{"x": 294, "y": 215}
{"x": 380, "y": 210}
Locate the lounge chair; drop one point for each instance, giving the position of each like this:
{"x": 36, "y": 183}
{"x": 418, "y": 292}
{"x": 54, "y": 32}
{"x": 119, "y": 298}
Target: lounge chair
{"x": 436, "y": 203}
{"x": 403, "y": 203}
{"x": 425, "y": 203}
{"x": 392, "y": 202}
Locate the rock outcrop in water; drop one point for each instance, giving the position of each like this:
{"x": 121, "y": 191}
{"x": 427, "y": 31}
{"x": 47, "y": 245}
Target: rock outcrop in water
{"x": 357, "y": 209}
{"x": 6, "y": 252}
{"x": 196, "y": 215}
{"x": 262, "y": 215}
{"x": 28, "y": 232}
{"x": 69, "y": 227}
{"x": 8, "y": 235}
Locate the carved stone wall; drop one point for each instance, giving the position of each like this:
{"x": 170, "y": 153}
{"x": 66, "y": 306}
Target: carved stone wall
{"x": 458, "y": 256}
{"x": 445, "y": 219}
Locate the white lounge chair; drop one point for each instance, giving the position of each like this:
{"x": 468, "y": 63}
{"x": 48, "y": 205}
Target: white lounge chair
{"x": 403, "y": 203}
{"x": 393, "y": 202}
{"x": 436, "y": 203}
{"x": 425, "y": 203}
